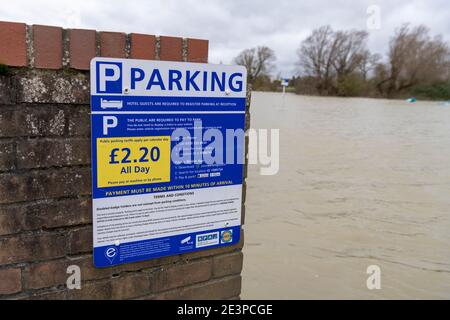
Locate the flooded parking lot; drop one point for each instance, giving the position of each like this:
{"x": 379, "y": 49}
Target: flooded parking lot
{"x": 361, "y": 182}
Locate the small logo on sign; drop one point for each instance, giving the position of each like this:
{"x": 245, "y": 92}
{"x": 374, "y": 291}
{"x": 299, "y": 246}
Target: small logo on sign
{"x": 111, "y": 104}
{"x": 226, "y": 236}
{"x": 187, "y": 240}
{"x": 207, "y": 239}
{"x": 111, "y": 253}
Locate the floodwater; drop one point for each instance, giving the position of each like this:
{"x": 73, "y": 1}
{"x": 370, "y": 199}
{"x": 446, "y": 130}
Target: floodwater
{"x": 361, "y": 182}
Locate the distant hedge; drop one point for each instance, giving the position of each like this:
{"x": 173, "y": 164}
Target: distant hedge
{"x": 439, "y": 91}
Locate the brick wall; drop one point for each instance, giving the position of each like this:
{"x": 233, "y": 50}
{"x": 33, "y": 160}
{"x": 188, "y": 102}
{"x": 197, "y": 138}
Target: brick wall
{"x": 45, "y": 165}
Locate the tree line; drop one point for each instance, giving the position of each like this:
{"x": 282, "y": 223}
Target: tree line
{"x": 339, "y": 63}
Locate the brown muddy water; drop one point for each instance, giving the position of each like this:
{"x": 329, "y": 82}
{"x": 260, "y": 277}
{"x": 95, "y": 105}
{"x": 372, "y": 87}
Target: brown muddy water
{"x": 361, "y": 182}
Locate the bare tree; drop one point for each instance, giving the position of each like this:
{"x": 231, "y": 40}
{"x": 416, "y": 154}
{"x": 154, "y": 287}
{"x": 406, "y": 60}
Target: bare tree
{"x": 414, "y": 57}
{"x": 339, "y": 62}
{"x": 329, "y": 56}
{"x": 368, "y": 63}
{"x": 258, "y": 61}
{"x": 316, "y": 55}
{"x": 351, "y": 48}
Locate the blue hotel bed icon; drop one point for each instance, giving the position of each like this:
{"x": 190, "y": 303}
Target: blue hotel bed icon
{"x": 111, "y": 104}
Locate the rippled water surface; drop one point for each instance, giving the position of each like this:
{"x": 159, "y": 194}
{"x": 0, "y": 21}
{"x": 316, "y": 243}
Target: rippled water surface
{"x": 361, "y": 182}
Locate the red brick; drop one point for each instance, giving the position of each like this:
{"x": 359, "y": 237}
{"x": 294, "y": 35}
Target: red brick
{"x": 130, "y": 286}
{"x": 227, "y": 264}
{"x": 197, "y": 50}
{"x": 25, "y": 248}
{"x": 13, "y": 50}
{"x": 48, "y": 295}
{"x": 46, "y": 274}
{"x": 223, "y": 288}
{"x": 54, "y": 273}
{"x": 10, "y": 281}
{"x": 181, "y": 275}
{"x": 80, "y": 240}
{"x": 48, "y": 214}
{"x": 43, "y": 184}
{"x": 82, "y": 48}
{"x": 97, "y": 290}
{"x": 143, "y": 46}
{"x": 171, "y": 48}
{"x": 47, "y": 44}
{"x": 112, "y": 44}
{"x": 123, "y": 287}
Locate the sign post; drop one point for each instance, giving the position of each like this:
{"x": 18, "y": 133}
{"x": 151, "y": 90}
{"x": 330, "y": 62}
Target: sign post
{"x": 284, "y": 84}
{"x": 167, "y": 157}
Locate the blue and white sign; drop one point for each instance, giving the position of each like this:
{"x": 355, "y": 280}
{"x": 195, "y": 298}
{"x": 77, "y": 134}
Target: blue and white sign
{"x": 167, "y": 157}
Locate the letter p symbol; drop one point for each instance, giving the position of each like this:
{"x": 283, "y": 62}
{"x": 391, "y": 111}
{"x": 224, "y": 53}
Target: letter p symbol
{"x": 109, "y": 77}
{"x": 108, "y": 123}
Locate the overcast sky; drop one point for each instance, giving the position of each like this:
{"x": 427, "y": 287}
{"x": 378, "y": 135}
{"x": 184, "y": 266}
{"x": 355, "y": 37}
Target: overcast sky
{"x": 233, "y": 25}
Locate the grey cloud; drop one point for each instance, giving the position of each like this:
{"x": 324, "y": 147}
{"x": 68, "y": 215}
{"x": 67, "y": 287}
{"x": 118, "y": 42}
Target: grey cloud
{"x": 234, "y": 25}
